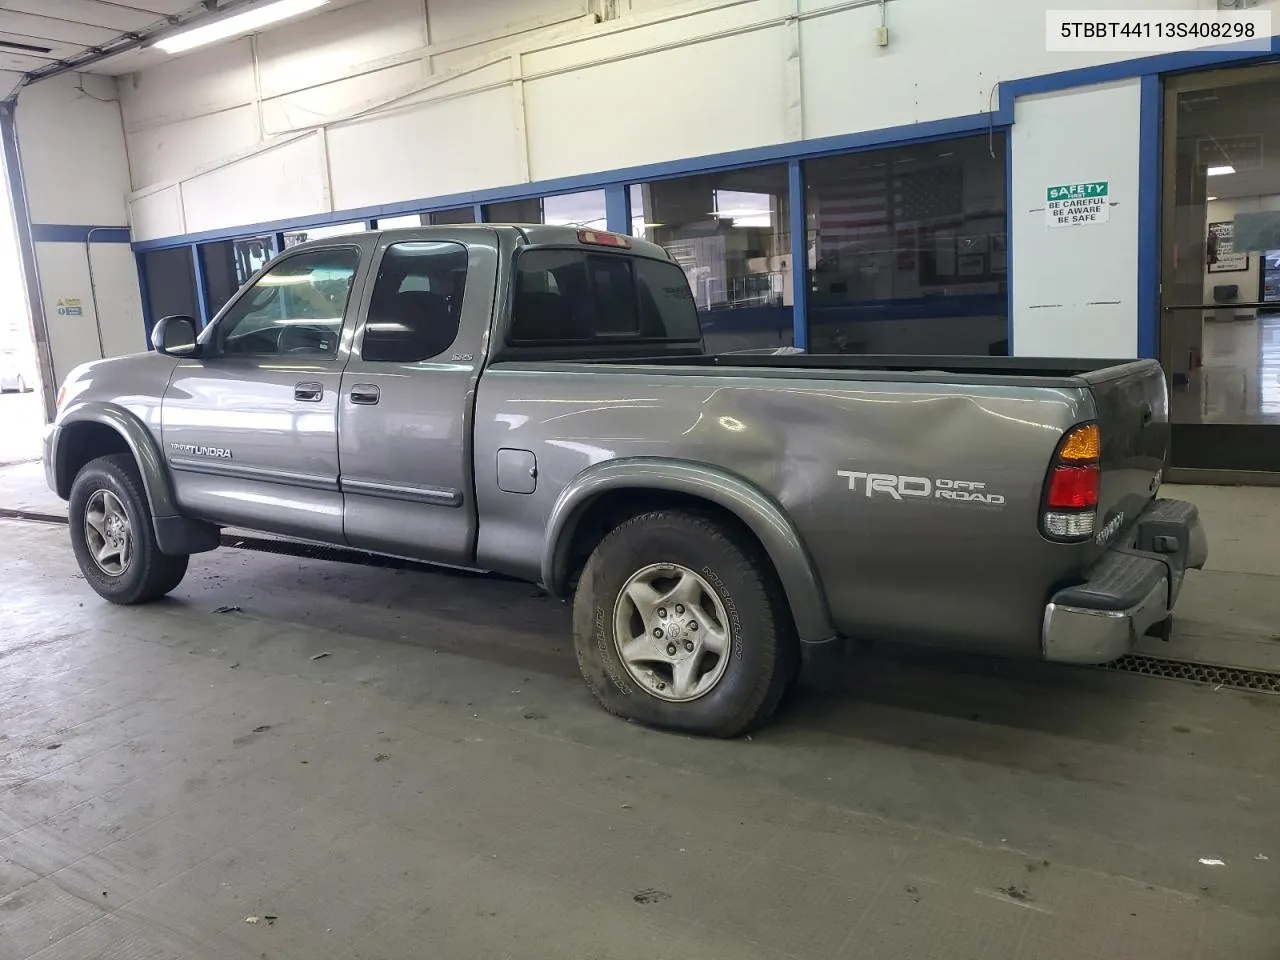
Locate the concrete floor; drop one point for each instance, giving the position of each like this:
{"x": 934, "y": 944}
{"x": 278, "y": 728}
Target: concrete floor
{"x": 440, "y": 784}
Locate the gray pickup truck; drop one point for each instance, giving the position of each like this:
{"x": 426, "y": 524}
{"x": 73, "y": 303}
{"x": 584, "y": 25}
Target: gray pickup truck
{"x": 536, "y": 401}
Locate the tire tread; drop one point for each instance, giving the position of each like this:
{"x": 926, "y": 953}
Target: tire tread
{"x": 754, "y": 568}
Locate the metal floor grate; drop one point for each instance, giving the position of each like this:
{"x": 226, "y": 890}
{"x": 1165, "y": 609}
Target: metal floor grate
{"x": 1238, "y": 678}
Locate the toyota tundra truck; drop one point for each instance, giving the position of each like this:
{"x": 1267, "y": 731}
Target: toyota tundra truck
{"x": 537, "y": 401}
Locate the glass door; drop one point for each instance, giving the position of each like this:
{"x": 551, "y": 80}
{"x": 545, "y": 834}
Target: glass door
{"x": 1220, "y": 269}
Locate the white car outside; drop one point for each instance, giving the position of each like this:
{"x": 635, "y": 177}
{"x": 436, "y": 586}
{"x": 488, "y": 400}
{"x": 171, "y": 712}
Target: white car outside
{"x": 16, "y": 373}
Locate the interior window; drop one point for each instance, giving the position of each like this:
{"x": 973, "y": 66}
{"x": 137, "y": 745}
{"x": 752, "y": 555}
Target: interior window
{"x": 296, "y": 308}
{"x": 416, "y": 303}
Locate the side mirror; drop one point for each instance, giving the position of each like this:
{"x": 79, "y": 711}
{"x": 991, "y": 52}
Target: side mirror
{"x": 175, "y": 337}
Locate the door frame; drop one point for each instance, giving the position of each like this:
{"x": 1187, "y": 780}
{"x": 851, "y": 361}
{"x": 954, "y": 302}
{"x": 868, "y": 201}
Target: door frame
{"x": 1171, "y": 85}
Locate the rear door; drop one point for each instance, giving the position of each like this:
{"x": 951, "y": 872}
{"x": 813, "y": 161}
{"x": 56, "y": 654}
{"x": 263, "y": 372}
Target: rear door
{"x": 405, "y": 409}
{"x": 1133, "y": 415}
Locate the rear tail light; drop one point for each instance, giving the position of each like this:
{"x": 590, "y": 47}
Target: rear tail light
{"x": 1073, "y": 486}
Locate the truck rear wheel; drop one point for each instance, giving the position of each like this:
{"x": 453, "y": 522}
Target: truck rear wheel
{"x": 679, "y": 623}
{"x": 112, "y": 535}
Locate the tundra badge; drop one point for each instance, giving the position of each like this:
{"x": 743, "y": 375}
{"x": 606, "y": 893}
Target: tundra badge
{"x": 222, "y": 453}
{"x": 1109, "y": 529}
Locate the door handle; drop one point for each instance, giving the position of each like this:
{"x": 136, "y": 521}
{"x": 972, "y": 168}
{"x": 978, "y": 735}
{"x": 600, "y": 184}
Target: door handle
{"x": 366, "y": 394}
{"x": 309, "y": 391}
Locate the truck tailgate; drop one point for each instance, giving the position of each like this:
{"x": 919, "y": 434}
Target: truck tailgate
{"x": 1133, "y": 414}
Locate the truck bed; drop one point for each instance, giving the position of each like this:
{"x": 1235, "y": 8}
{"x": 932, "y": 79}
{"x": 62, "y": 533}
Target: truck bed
{"x": 1029, "y": 371}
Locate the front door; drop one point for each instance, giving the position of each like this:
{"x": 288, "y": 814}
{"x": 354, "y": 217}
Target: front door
{"x": 1220, "y": 228}
{"x": 404, "y": 416}
{"x": 250, "y": 427}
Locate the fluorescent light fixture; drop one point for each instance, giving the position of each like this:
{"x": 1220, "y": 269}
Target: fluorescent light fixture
{"x": 1220, "y": 171}
{"x": 236, "y": 25}
{"x": 1210, "y": 199}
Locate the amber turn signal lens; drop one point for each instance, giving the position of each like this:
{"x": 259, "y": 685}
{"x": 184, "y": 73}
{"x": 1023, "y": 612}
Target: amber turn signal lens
{"x": 1082, "y": 444}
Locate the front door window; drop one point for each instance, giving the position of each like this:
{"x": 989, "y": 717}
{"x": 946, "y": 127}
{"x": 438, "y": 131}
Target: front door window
{"x": 296, "y": 308}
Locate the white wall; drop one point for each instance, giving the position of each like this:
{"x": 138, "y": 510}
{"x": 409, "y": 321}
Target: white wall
{"x": 489, "y": 94}
{"x": 76, "y": 171}
{"x": 72, "y": 151}
{"x": 1075, "y": 288}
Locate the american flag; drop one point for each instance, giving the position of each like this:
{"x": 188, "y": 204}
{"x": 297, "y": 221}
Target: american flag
{"x": 862, "y": 207}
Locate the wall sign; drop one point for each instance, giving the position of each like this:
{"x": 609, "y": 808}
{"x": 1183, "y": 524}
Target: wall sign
{"x": 70, "y": 307}
{"x": 1221, "y": 249}
{"x": 1077, "y": 204}
{"x": 1256, "y": 231}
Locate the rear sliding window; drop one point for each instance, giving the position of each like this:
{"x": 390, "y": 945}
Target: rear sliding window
{"x": 571, "y": 296}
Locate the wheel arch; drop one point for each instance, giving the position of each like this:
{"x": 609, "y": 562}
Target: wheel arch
{"x": 91, "y": 430}
{"x": 619, "y": 489}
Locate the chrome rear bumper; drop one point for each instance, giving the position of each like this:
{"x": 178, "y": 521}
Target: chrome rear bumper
{"x": 1132, "y": 588}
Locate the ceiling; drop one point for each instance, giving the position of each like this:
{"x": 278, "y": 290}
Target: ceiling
{"x": 37, "y": 36}
{"x": 1236, "y": 125}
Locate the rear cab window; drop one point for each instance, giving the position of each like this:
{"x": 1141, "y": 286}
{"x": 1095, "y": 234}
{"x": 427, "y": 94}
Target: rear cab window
{"x": 579, "y": 297}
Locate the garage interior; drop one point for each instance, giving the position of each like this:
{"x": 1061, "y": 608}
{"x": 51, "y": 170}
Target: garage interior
{"x": 310, "y": 752}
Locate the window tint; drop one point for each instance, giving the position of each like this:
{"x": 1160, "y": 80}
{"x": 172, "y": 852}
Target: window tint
{"x": 615, "y": 296}
{"x": 295, "y": 308}
{"x": 171, "y": 283}
{"x": 416, "y": 302}
{"x": 666, "y": 302}
{"x": 569, "y": 295}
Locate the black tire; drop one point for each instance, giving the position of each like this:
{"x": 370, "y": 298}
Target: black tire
{"x": 763, "y": 655}
{"x": 150, "y": 573}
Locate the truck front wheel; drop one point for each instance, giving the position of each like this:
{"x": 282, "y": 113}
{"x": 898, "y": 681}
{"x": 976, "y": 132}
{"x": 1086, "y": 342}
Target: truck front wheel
{"x": 112, "y": 534}
{"x": 679, "y": 623}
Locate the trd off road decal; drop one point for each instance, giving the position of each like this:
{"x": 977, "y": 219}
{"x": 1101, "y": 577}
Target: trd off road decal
{"x": 906, "y": 488}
